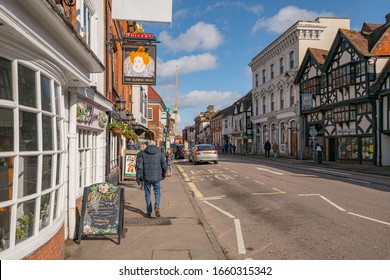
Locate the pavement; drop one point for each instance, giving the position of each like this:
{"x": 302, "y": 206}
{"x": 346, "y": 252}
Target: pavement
{"x": 181, "y": 233}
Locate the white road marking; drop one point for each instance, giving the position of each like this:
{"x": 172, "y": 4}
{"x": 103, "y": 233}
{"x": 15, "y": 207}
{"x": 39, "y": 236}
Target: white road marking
{"x": 278, "y": 190}
{"x": 270, "y": 171}
{"x": 261, "y": 183}
{"x": 341, "y": 209}
{"x": 237, "y": 225}
{"x": 371, "y": 219}
{"x": 332, "y": 203}
{"x": 217, "y": 197}
{"x": 240, "y": 239}
{"x": 328, "y": 171}
{"x": 270, "y": 193}
{"x": 197, "y": 193}
{"x": 220, "y": 210}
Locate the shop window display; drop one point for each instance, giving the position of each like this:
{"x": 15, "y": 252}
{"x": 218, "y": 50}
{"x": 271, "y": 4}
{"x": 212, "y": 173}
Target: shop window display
{"x": 31, "y": 150}
{"x": 348, "y": 148}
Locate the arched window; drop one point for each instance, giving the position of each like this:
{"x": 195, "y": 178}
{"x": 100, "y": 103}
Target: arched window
{"x": 274, "y": 133}
{"x": 283, "y": 133}
{"x": 272, "y": 71}
{"x": 265, "y": 133}
{"x": 281, "y": 96}
{"x": 292, "y": 95}
{"x": 272, "y": 102}
{"x": 264, "y": 105}
{"x": 281, "y": 65}
{"x": 292, "y": 59}
{"x": 257, "y": 106}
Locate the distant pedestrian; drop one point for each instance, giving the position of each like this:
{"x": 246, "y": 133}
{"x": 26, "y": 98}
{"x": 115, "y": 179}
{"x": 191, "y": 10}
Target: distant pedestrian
{"x": 275, "y": 149}
{"x": 151, "y": 168}
{"x": 267, "y": 148}
{"x": 160, "y": 145}
{"x": 230, "y": 148}
{"x": 170, "y": 156}
{"x": 234, "y": 148}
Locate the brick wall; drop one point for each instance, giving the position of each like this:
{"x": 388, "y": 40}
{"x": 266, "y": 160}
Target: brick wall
{"x": 54, "y": 249}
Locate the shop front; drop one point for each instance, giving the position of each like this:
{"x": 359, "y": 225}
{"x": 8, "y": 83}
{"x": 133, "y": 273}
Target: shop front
{"x": 38, "y": 69}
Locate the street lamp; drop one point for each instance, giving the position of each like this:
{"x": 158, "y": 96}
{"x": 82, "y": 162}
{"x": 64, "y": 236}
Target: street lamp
{"x": 121, "y": 104}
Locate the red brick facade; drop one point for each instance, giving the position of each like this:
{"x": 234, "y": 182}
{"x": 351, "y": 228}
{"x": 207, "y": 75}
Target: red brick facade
{"x": 54, "y": 249}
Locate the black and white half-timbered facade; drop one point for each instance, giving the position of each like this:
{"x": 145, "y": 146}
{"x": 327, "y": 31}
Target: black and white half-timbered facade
{"x": 382, "y": 90}
{"x": 242, "y": 134}
{"x": 337, "y": 98}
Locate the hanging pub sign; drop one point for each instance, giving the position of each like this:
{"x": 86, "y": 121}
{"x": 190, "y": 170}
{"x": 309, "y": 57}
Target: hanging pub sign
{"x": 307, "y": 101}
{"x": 139, "y": 65}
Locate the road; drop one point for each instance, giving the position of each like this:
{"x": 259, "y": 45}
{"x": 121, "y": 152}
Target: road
{"x": 280, "y": 211}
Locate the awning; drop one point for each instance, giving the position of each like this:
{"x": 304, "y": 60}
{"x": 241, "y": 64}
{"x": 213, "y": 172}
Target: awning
{"x": 139, "y": 128}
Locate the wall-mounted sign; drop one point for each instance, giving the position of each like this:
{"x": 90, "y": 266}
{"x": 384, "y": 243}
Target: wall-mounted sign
{"x": 139, "y": 35}
{"x": 139, "y": 65}
{"x": 307, "y": 101}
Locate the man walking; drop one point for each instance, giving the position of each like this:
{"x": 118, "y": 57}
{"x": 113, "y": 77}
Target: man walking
{"x": 151, "y": 169}
{"x": 267, "y": 147}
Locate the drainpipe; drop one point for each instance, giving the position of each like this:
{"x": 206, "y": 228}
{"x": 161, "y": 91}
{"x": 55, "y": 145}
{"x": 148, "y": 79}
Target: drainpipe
{"x": 108, "y": 140}
{"x": 380, "y": 131}
{"x": 72, "y": 136}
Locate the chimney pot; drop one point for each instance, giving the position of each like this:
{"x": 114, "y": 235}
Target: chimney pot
{"x": 388, "y": 18}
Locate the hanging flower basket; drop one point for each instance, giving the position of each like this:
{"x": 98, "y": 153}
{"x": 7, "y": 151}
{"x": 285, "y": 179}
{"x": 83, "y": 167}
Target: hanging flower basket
{"x": 116, "y": 128}
{"x": 129, "y": 133}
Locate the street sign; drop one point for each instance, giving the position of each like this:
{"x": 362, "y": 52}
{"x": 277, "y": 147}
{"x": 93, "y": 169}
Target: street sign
{"x": 313, "y": 132}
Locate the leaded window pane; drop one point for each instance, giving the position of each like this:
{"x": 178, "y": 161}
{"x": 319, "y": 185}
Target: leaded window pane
{"x": 45, "y": 94}
{"x": 26, "y": 82}
{"x": 28, "y": 173}
{"x": 5, "y": 79}
{"x": 28, "y": 135}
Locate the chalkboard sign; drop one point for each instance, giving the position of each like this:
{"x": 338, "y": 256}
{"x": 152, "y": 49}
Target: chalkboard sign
{"x": 102, "y": 211}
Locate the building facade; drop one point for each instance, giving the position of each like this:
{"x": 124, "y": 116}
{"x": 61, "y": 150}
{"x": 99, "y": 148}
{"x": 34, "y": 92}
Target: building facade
{"x": 157, "y": 116}
{"x": 276, "y": 115}
{"x": 52, "y": 124}
{"x": 338, "y": 101}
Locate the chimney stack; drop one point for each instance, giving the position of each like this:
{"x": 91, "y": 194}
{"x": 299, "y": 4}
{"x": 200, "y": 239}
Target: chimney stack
{"x": 388, "y": 18}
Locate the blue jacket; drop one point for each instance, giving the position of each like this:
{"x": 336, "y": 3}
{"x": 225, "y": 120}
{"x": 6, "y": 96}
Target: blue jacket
{"x": 151, "y": 165}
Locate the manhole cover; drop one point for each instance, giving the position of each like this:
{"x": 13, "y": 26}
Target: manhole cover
{"x": 147, "y": 222}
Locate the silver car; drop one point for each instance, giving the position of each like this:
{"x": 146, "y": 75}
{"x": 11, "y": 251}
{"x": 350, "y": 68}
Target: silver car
{"x": 203, "y": 153}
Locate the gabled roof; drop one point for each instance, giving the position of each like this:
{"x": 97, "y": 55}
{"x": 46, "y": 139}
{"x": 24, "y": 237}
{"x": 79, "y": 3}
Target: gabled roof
{"x": 382, "y": 76}
{"x": 246, "y": 100}
{"x": 153, "y": 95}
{"x": 318, "y": 55}
{"x": 224, "y": 112}
{"x": 372, "y": 40}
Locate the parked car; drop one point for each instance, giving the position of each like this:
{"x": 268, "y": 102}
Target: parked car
{"x": 203, "y": 153}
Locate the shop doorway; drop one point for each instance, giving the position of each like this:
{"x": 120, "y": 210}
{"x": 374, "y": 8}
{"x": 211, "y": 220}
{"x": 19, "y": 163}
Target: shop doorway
{"x": 331, "y": 149}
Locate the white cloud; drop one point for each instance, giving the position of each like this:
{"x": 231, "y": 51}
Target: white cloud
{"x": 255, "y": 9}
{"x": 286, "y": 17}
{"x": 202, "y": 99}
{"x": 186, "y": 65}
{"x": 201, "y": 36}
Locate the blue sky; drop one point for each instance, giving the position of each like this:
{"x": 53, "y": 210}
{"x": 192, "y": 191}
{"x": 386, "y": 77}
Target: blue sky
{"x": 212, "y": 42}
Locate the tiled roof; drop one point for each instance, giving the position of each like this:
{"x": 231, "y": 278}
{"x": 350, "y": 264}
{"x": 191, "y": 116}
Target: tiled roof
{"x": 319, "y": 55}
{"x": 357, "y": 40}
{"x": 370, "y": 43}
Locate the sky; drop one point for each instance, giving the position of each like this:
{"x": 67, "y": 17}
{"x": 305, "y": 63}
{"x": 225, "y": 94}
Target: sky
{"x": 212, "y": 43}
